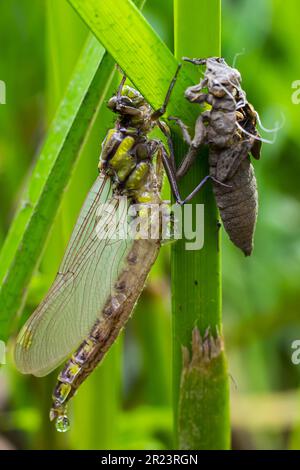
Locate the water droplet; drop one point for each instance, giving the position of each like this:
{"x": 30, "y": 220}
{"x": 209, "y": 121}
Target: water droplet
{"x": 62, "y": 424}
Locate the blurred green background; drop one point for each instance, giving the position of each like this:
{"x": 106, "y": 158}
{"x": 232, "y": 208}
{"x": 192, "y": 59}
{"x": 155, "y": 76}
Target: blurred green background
{"x": 126, "y": 403}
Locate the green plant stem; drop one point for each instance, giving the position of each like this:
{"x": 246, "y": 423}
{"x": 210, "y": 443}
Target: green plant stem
{"x": 201, "y": 409}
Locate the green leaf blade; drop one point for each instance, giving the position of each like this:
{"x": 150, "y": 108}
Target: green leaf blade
{"x": 138, "y": 50}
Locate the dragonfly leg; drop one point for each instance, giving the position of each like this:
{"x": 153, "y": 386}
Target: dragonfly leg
{"x": 165, "y": 130}
{"x": 187, "y": 161}
{"x": 194, "y": 94}
{"x": 200, "y": 186}
{"x": 119, "y": 93}
{"x": 187, "y": 138}
{"x": 197, "y": 189}
{"x": 194, "y": 144}
{"x": 168, "y": 166}
{"x": 159, "y": 112}
{"x": 166, "y": 159}
{"x": 184, "y": 129}
{"x": 159, "y": 168}
{"x": 195, "y": 61}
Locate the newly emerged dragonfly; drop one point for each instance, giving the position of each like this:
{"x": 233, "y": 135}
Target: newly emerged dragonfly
{"x": 101, "y": 277}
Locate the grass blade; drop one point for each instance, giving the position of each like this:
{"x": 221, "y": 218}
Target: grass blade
{"x": 138, "y": 50}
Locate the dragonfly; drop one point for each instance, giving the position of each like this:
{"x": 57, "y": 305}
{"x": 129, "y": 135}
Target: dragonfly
{"x": 101, "y": 277}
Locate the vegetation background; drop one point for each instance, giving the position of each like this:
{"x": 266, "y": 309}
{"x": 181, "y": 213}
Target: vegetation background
{"x": 126, "y": 403}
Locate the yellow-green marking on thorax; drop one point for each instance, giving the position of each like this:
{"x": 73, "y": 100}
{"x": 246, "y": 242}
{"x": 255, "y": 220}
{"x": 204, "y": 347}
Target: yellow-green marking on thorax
{"x": 122, "y": 162}
{"x": 138, "y": 176}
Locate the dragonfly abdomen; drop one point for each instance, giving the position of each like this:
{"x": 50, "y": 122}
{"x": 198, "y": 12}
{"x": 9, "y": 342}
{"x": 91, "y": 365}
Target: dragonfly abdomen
{"x": 112, "y": 319}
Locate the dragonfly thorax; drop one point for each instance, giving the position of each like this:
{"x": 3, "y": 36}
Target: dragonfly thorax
{"x": 127, "y": 157}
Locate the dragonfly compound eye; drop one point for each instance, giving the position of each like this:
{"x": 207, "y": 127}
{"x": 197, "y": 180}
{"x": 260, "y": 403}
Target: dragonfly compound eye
{"x": 112, "y": 102}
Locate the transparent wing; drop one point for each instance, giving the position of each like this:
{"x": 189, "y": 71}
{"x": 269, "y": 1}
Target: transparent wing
{"x": 92, "y": 263}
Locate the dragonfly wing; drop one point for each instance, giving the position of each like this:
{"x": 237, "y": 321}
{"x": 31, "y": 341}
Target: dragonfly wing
{"x": 91, "y": 265}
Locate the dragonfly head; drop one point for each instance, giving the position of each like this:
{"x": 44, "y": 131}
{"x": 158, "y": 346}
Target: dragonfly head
{"x": 221, "y": 78}
{"x": 128, "y": 102}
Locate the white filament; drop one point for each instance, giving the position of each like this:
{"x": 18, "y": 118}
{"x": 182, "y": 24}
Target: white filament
{"x": 238, "y": 54}
{"x": 256, "y": 137}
